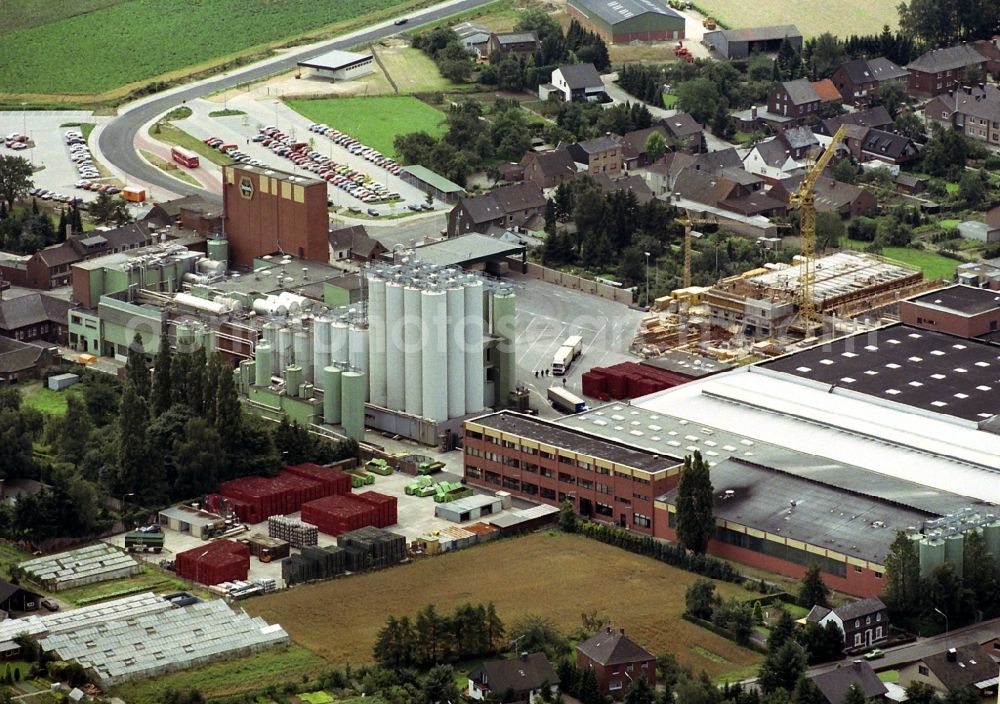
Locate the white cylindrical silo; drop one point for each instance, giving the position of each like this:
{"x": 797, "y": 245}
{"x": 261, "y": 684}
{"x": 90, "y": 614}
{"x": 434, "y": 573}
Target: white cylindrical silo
{"x": 376, "y": 339}
{"x": 413, "y": 342}
{"x": 504, "y": 359}
{"x": 338, "y": 342}
{"x": 434, "y": 362}
{"x": 395, "y": 358}
{"x": 357, "y": 352}
{"x": 271, "y": 334}
{"x": 321, "y": 349}
{"x": 472, "y": 329}
{"x": 456, "y": 351}
{"x": 303, "y": 353}
{"x": 352, "y": 404}
{"x": 284, "y": 348}
{"x": 331, "y": 395}
{"x": 262, "y": 369}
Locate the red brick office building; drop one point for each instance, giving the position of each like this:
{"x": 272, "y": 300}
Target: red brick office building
{"x": 965, "y": 311}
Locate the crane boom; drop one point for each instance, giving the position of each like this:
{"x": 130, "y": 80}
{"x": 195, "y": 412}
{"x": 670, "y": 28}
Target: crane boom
{"x": 803, "y": 198}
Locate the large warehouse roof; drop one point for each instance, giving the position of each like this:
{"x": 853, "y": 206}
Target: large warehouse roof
{"x": 920, "y": 368}
{"x": 615, "y": 11}
{"x": 761, "y": 34}
{"x": 335, "y": 60}
{"x": 465, "y": 250}
{"x": 887, "y": 438}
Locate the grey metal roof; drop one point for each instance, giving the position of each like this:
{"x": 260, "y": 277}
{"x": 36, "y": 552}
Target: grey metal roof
{"x": 761, "y": 34}
{"x": 334, "y": 60}
{"x": 963, "y": 300}
{"x": 615, "y": 11}
{"x": 516, "y": 37}
{"x": 433, "y": 179}
{"x": 465, "y": 249}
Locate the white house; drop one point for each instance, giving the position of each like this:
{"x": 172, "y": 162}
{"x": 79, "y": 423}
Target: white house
{"x": 578, "y": 82}
{"x": 772, "y": 161}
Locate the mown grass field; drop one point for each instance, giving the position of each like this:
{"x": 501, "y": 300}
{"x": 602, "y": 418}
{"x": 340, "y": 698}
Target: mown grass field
{"x": 554, "y": 575}
{"x": 375, "y": 121}
{"x": 52, "y": 51}
{"x": 412, "y": 70}
{"x": 227, "y": 678}
{"x": 839, "y": 17}
{"x": 43, "y": 399}
{"x": 932, "y": 264}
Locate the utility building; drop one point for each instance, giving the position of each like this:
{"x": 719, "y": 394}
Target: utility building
{"x": 340, "y": 65}
{"x": 626, "y": 21}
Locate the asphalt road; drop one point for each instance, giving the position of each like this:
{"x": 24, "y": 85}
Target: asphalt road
{"x": 117, "y": 139}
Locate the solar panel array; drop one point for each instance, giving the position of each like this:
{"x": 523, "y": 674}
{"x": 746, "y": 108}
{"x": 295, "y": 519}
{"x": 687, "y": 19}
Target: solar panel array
{"x": 94, "y": 563}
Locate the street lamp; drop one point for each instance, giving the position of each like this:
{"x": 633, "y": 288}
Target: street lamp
{"x": 945, "y": 616}
{"x": 647, "y": 278}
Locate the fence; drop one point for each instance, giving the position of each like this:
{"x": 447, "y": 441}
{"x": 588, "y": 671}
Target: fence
{"x": 578, "y": 283}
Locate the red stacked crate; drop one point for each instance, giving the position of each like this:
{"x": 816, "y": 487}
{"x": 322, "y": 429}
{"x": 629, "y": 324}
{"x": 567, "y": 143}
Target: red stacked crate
{"x": 334, "y": 481}
{"x": 221, "y": 561}
{"x": 385, "y": 508}
{"x": 616, "y": 384}
{"x": 334, "y": 515}
{"x": 594, "y": 384}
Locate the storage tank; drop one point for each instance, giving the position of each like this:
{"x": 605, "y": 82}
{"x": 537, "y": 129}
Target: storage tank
{"x": 248, "y": 375}
{"x": 338, "y": 342}
{"x": 454, "y": 340}
{"x": 991, "y": 536}
{"x": 302, "y": 353}
{"x": 376, "y": 339}
{"x": 357, "y": 350}
{"x": 210, "y": 267}
{"x": 505, "y": 359}
{"x": 434, "y": 364}
{"x": 306, "y": 390}
{"x": 331, "y": 395}
{"x": 262, "y": 370}
{"x": 284, "y": 348}
{"x": 270, "y": 333}
{"x": 293, "y": 379}
{"x": 931, "y": 555}
{"x": 395, "y": 358}
{"x": 475, "y": 375}
{"x": 954, "y": 551}
{"x": 183, "y": 337}
{"x": 218, "y": 250}
{"x": 413, "y": 352}
{"x": 198, "y": 303}
{"x": 352, "y": 407}
{"x": 321, "y": 348}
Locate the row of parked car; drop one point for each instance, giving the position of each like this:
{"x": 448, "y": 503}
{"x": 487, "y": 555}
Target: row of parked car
{"x": 79, "y": 154}
{"x": 232, "y": 151}
{"x": 57, "y": 197}
{"x": 342, "y": 176}
{"x": 355, "y": 147}
{"x": 16, "y": 141}
{"x": 98, "y": 187}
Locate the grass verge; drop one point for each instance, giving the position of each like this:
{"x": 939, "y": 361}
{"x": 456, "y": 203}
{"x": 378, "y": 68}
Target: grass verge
{"x": 227, "y": 112}
{"x": 171, "y": 134}
{"x": 168, "y": 167}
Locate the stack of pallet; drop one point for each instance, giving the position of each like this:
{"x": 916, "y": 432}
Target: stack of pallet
{"x": 221, "y": 561}
{"x": 292, "y": 531}
{"x": 372, "y": 548}
{"x": 314, "y": 563}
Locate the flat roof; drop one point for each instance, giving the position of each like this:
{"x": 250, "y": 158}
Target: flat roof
{"x": 615, "y": 11}
{"x": 693, "y": 365}
{"x": 577, "y": 440}
{"x": 334, "y": 60}
{"x": 961, "y": 300}
{"x": 659, "y": 432}
{"x": 276, "y": 174}
{"x": 190, "y": 515}
{"x": 907, "y": 365}
{"x": 264, "y": 278}
{"x": 819, "y": 514}
{"x": 467, "y": 249}
{"x": 760, "y": 34}
{"x": 432, "y": 178}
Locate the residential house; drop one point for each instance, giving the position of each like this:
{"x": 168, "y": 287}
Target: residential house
{"x": 835, "y": 683}
{"x": 877, "y": 117}
{"x": 755, "y": 118}
{"x": 858, "y": 81}
{"x": 519, "y": 205}
{"x": 827, "y": 92}
{"x": 549, "y": 168}
{"x": 473, "y": 37}
{"x": 801, "y": 142}
{"x": 354, "y": 243}
{"x": 36, "y": 316}
{"x": 772, "y": 160}
{"x": 801, "y": 99}
{"x": 940, "y": 70}
{"x": 952, "y": 670}
{"x": 685, "y": 129}
{"x": 972, "y": 110}
{"x": 601, "y": 155}
{"x": 634, "y": 184}
{"x": 578, "y": 82}
{"x": 616, "y": 660}
{"x": 864, "y": 622}
{"x": 24, "y": 360}
{"x": 720, "y": 159}
{"x": 830, "y": 195}
{"x": 633, "y": 144}
{"x": 662, "y": 174}
{"x": 14, "y": 598}
{"x": 867, "y": 144}
{"x": 524, "y": 678}
{"x": 520, "y": 45}
{"x": 910, "y": 185}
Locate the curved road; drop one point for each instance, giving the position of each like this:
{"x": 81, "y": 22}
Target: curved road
{"x": 117, "y": 139}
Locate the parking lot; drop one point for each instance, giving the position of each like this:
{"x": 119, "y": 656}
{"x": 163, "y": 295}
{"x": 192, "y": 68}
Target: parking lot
{"x": 547, "y": 314}
{"x": 48, "y": 150}
{"x": 240, "y": 130}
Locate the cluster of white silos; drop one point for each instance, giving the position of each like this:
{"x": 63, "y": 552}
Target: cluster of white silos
{"x": 426, "y": 340}
{"x": 943, "y": 539}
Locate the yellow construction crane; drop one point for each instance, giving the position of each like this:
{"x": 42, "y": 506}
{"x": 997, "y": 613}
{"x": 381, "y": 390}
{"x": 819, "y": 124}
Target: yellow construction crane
{"x": 687, "y": 222}
{"x": 803, "y": 198}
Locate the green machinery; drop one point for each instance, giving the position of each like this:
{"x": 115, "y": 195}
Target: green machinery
{"x": 360, "y": 479}
{"x": 450, "y": 491}
{"x": 378, "y": 466}
{"x": 422, "y": 486}
{"x": 428, "y": 467}
{"x": 145, "y": 539}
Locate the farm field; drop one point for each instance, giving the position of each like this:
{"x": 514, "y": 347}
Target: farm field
{"x": 229, "y": 678}
{"x": 375, "y": 121}
{"x": 839, "y": 17}
{"x": 550, "y": 574}
{"x": 174, "y": 36}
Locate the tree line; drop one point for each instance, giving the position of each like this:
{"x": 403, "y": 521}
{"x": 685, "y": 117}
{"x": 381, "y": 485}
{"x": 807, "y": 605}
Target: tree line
{"x": 432, "y": 639}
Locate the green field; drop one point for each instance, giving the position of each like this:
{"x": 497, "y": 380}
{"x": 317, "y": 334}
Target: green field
{"x": 412, "y": 70}
{"x": 374, "y": 121}
{"x": 839, "y": 17}
{"x": 250, "y": 674}
{"x": 45, "y": 400}
{"x": 933, "y": 265}
{"x": 121, "y": 43}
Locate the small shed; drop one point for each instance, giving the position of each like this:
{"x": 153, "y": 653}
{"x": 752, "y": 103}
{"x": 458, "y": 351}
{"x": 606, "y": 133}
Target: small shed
{"x": 340, "y": 65}
{"x": 471, "y": 508}
{"x": 186, "y": 519}
{"x": 433, "y": 183}
{"x": 979, "y": 231}
{"x": 58, "y": 382}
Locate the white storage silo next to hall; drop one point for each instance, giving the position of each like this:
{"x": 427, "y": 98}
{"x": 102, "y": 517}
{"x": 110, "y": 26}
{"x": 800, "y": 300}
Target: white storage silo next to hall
{"x": 321, "y": 349}
{"x": 434, "y": 362}
{"x": 376, "y": 339}
{"x": 284, "y": 348}
{"x": 472, "y": 327}
{"x": 395, "y": 357}
{"x": 338, "y": 342}
{"x": 456, "y": 350}
{"x": 413, "y": 352}
{"x": 302, "y": 346}
{"x": 357, "y": 352}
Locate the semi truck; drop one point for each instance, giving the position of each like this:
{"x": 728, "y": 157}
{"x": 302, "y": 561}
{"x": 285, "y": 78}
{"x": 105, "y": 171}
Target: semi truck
{"x": 570, "y": 349}
{"x": 143, "y": 539}
{"x": 563, "y": 400}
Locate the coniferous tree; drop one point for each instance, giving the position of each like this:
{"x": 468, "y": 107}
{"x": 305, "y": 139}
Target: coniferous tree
{"x": 75, "y": 430}
{"x": 812, "y": 590}
{"x": 695, "y": 517}
{"x": 136, "y": 371}
{"x": 162, "y": 394}
{"x": 133, "y": 445}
